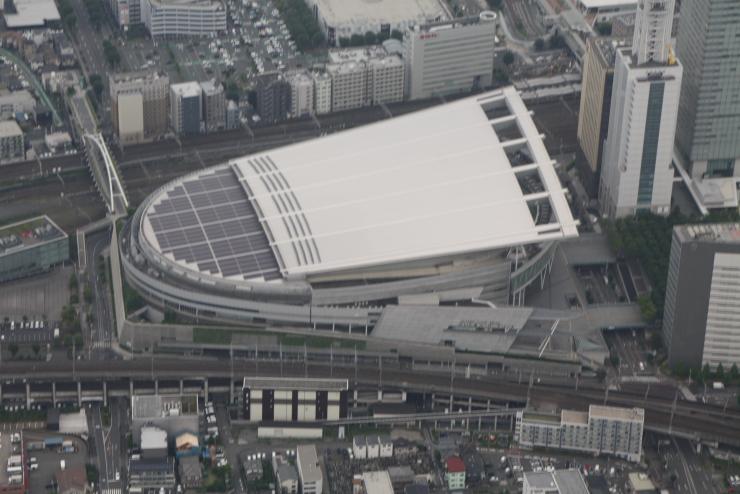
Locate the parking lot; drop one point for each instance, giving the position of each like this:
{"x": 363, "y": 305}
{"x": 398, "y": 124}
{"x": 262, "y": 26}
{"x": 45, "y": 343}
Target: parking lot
{"x": 256, "y": 41}
{"x": 39, "y": 297}
{"x": 49, "y": 460}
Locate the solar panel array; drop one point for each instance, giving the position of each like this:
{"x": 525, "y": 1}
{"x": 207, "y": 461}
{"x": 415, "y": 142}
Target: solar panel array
{"x": 208, "y": 220}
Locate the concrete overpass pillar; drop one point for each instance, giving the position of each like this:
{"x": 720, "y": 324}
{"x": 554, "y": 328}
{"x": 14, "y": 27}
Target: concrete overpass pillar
{"x": 156, "y": 387}
{"x": 54, "y": 394}
{"x": 28, "y": 395}
{"x": 182, "y": 387}
{"x": 231, "y": 391}
{"x": 205, "y": 389}
{"x": 131, "y": 389}
{"x": 380, "y": 395}
{"x": 105, "y": 393}
{"x": 403, "y": 395}
{"x": 79, "y": 393}
{"x": 1, "y": 393}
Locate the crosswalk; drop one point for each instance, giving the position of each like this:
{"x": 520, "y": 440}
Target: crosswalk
{"x": 101, "y": 344}
{"x": 111, "y": 490}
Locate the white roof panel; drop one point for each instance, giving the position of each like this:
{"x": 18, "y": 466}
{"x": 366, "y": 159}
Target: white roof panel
{"x": 431, "y": 183}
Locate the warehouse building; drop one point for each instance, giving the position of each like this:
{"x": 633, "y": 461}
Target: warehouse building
{"x": 294, "y": 400}
{"x": 31, "y": 247}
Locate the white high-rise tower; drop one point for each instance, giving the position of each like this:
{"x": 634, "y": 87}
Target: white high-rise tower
{"x": 637, "y": 172}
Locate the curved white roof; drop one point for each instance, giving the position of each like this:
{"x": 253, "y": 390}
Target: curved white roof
{"x": 431, "y": 183}
{"x": 438, "y": 182}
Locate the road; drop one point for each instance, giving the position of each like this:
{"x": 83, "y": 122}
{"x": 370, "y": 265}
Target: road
{"x": 101, "y": 332}
{"x": 231, "y": 449}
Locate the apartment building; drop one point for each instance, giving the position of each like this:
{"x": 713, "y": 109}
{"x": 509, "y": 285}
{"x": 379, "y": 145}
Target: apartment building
{"x": 139, "y": 102}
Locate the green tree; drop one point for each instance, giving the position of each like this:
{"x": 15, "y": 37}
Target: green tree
{"x": 556, "y": 41}
{"x": 344, "y": 41}
{"x": 509, "y": 57}
{"x": 371, "y": 38}
{"x": 73, "y": 282}
{"x": 36, "y": 349}
{"x": 647, "y": 308}
{"x": 734, "y": 374}
{"x": 719, "y": 374}
{"x": 87, "y": 294}
{"x": 357, "y": 40}
{"x": 706, "y": 372}
{"x": 396, "y": 34}
{"x": 96, "y": 83}
{"x": 494, "y": 4}
{"x": 13, "y": 349}
{"x": 604, "y": 28}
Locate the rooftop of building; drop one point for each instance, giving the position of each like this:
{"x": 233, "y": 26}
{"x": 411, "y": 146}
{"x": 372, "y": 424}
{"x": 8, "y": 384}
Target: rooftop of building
{"x": 378, "y": 482}
{"x": 308, "y": 462}
{"x": 10, "y": 128}
{"x": 148, "y": 465}
{"x": 298, "y": 384}
{"x": 72, "y": 479}
{"x": 454, "y": 464}
{"x": 616, "y": 413}
{"x": 640, "y": 482}
{"x": 714, "y": 232}
{"x": 574, "y": 417}
{"x": 607, "y": 48}
{"x": 28, "y": 233}
{"x": 485, "y": 16}
{"x": 153, "y": 438}
{"x": 286, "y": 472}
{"x": 31, "y": 13}
{"x": 153, "y": 406}
{"x": 211, "y": 87}
{"x": 138, "y": 75}
{"x": 458, "y": 179}
{"x": 608, "y": 4}
{"x": 565, "y": 481}
{"x": 338, "y": 13}
{"x": 200, "y": 4}
{"x": 186, "y": 89}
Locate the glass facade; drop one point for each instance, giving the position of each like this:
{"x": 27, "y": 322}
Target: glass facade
{"x": 33, "y": 260}
{"x": 650, "y": 144}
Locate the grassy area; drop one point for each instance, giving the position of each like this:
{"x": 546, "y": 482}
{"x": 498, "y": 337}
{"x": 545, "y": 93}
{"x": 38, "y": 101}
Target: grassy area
{"x": 367, "y": 430}
{"x": 319, "y": 342}
{"x": 212, "y": 336}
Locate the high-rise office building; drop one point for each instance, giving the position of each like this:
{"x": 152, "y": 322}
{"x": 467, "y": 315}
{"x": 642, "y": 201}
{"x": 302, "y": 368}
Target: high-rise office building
{"x": 450, "y": 57}
{"x": 273, "y": 97}
{"x": 214, "y": 106}
{"x": 596, "y": 97}
{"x": 154, "y": 89}
{"x": 701, "y": 324}
{"x": 186, "y": 108}
{"x": 636, "y": 172}
{"x": 708, "y": 45}
{"x": 602, "y": 430}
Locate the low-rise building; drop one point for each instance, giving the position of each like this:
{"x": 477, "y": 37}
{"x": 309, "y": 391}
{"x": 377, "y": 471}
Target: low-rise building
{"x": 309, "y": 470}
{"x": 173, "y": 414}
{"x": 12, "y": 102}
{"x": 557, "y": 482}
{"x": 182, "y": 18}
{"x": 153, "y": 442}
{"x": 31, "y": 247}
{"x": 602, "y": 430}
{"x": 286, "y": 475}
{"x": 455, "y": 473}
{"x": 301, "y": 94}
{"x": 12, "y": 146}
{"x": 640, "y": 483}
{"x": 190, "y": 472}
{"x": 152, "y": 473}
{"x": 374, "y": 483}
{"x": 321, "y": 92}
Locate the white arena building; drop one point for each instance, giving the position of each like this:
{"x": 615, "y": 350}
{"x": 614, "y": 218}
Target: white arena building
{"x": 456, "y": 203}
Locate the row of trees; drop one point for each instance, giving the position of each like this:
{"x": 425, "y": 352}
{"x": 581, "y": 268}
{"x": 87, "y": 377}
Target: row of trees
{"x": 647, "y": 238}
{"x": 301, "y": 23}
{"x": 96, "y": 12}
